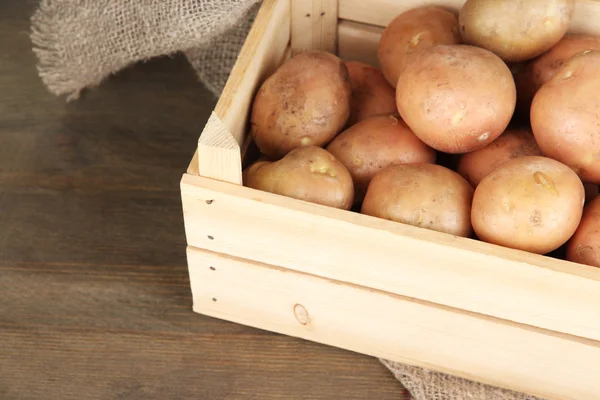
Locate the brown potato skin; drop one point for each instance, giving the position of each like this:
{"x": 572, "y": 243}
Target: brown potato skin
{"x": 305, "y": 102}
{"x": 511, "y": 144}
{"x": 529, "y": 203}
{"x": 584, "y": 245}
{"x": 565, "y": 116}
{"x": 371, "y": 93}
{"x": 412, "y": 31}
{"x": 308, "y": 173}
{"x": 456, "y": 98}
{"x": 425, "y": 195}
{"x": 375, "y": 143}
{"x": 515, "y": 30}
{"x": 540, "y": 70}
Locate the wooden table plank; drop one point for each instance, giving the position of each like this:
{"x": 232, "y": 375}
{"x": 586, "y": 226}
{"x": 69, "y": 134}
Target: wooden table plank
{"x": 94, "y": 293}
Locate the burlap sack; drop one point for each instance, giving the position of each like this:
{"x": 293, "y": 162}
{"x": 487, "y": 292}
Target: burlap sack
{"x": 81, "y": 42}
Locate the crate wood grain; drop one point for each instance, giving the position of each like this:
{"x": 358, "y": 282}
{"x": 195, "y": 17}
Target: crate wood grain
{"x": 396, "y": 258}
{"x": 393, "y": 327}
{"x": 495, "y": 315}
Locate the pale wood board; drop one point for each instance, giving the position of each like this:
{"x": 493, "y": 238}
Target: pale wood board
{"x": 381, "y": 12}
{"x": 394, "y": 257}
{"x": 219, "y": 154}
{"x": 488, "y": 350}
{"x": 358, "y": 42}
{"x": 586, "y": 18}
{"x": 314, "y": 25}
{"x": 192, "y": 168}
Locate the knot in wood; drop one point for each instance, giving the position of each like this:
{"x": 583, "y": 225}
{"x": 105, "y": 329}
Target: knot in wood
{"x": 301, "y": 314}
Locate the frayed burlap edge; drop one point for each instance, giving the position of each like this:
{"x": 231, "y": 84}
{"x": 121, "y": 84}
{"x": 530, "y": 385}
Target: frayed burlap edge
{"x": 424, "y": 384}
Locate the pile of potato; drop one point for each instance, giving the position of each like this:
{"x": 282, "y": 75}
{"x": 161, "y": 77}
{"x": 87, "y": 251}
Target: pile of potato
{"x": 483, "y": 124}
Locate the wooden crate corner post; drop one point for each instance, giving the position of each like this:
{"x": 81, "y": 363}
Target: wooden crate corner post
{"x": 219, "y": 154}
{"x": 225, "y": 136}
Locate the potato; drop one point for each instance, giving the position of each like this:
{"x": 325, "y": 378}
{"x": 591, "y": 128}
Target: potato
{"x": 456, "y": 98}
{"x": 425, "y": 195}
{"x": 539, "y": 71}
{"x": 544, "y": 67}
{"x": 565, "y": 116}
{"x": 584, "y": 246}
{"x": 511, "y": 144}
{"x": 515, "y": 30}
{"x": 371, "y": 93}
{"x": 308, "y": 173}
{"x": 376, "y": 143}
{"x": 531, "y": 203}
{"x": 412, "y": 31}
{"x": 305, "y": 102}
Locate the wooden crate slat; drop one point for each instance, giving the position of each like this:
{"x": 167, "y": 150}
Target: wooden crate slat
{"x": 358, "y": 42}
{"x": 393, "y": 257}
{"x": 381, "y": 12}
{"x": 509, "y": 355}
{"x": 586, "y": 18}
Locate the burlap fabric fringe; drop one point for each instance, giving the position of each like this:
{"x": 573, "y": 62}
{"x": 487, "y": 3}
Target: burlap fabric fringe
{"x": 79, "y": 43}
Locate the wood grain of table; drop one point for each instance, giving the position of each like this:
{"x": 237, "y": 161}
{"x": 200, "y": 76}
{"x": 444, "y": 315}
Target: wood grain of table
{"x": 94, "y": 293}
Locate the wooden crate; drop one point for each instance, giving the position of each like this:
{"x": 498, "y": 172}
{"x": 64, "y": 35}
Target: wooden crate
{"x": 505, "y": 317}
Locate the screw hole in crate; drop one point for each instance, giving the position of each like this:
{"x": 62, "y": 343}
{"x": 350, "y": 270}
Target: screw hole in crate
{"x": 322, "y": 14}
{"x": 214, "y": 299}
{"x": 209, "y": 201}
{"x": 212, "y": 268}
{"x": 307, "y": 15}
{"x": 211, "y": 237}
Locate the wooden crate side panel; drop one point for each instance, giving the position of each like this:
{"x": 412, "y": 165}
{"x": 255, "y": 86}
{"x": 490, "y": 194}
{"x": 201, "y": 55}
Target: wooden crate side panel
{"x": 395, "y": 328}
{"x": 219, "y": 154}
{"x": 358, "y": 42}
{"x": 586, "y": 18}
{"x": 393, "y": 257}
{"x": 314, "y": 25}
{"x": 381, "y": 12}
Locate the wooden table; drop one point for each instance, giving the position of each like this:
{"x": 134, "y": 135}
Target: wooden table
{"x": 94, "y": 294}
